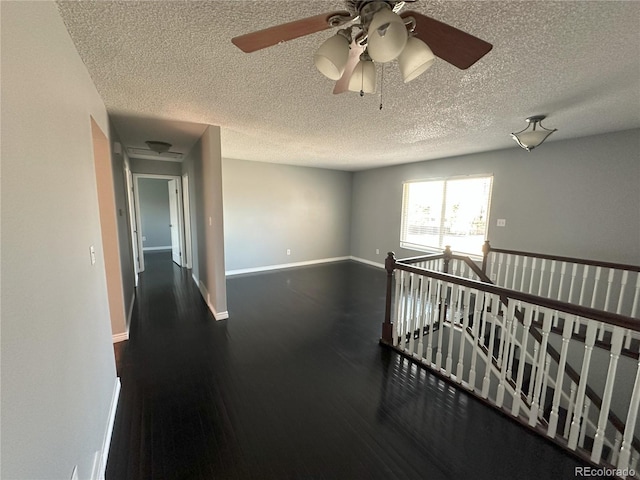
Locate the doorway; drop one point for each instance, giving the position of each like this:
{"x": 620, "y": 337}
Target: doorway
{"x": 159, "y": 216}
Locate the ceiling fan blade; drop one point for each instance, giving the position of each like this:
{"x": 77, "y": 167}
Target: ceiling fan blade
{"x": 342, "y": 85}
{"x": 459, "y": 48}
{"x": 287, "y": 31}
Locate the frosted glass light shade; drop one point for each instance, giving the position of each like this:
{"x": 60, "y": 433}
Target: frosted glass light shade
{"x": 415, "y": 59}
{"x": 532, "y": 136}
{"x": 331, "y": 58}
{"x": 387, "y": 36}
{"x": 363, "y": 77}
{"x": 531, "y": 139}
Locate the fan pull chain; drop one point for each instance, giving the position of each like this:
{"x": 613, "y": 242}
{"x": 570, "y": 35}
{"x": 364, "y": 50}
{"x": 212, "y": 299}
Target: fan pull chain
{"x": 381, "y": 85}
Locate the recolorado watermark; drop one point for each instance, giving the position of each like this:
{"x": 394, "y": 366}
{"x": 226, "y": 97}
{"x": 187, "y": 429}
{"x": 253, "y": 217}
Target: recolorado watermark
{"x": 604, "y": 472}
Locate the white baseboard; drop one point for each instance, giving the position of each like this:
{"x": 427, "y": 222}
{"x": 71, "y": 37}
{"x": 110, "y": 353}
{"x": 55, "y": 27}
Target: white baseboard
{"x": 120, "y": 337}
{"x": 284, "y": 265}
{"x": 207, "y": 298}
{"x": 368, "y": 262}
{"x": 153, "y": 249}
{"x": 106, "y": 443}
{"x": 195, "y": 279}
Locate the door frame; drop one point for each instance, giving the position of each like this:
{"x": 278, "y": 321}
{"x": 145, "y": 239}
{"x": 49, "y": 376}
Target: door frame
{"x": 187, "y": 221}
{"x": 178, "y": 178}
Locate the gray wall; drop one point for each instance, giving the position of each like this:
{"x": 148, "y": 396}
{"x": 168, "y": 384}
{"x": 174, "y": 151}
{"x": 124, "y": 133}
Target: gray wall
{"x": 270, "y": 208}
{"x": 575, "y": 198}
{"x": 153, "y": 194}
{"x": 58, "y": 372}
{"x": 158, "y": 167}
{"x": 203, "y": 165}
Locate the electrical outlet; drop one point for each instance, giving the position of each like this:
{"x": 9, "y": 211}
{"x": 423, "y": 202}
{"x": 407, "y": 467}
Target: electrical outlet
{"x": 92, "y": 252}
{"x": 144, "y": 239}
{"x": 377, "y": 251}
{"x": 288, "y": 251}
{"x": 210, "y": 223}
{"x": 502, "y": 222}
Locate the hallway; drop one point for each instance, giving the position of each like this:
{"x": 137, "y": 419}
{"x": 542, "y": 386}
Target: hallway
{"x": 294, "y": 385}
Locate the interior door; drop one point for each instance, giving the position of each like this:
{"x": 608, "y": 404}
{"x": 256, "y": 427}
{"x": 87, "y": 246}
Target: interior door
{"x": 176, "y": 254}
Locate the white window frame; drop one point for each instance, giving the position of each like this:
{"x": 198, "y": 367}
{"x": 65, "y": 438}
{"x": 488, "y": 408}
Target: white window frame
{"x": 437, "y": 249}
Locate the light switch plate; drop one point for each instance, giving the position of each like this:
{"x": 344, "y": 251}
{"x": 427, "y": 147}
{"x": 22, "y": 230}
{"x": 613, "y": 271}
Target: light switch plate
{"x": 502, "y": 222}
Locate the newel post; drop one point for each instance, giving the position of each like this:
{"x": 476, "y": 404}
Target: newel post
{"x": 448, "y": 255}
{"x": 486, "y": 248}
{"x": 387, "y": 326}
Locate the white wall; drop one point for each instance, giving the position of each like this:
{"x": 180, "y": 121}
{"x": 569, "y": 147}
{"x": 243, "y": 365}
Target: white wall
{"x": 575, "y": 198}
{"x": 58, "y": 372}
{"x": 270, "y": 208}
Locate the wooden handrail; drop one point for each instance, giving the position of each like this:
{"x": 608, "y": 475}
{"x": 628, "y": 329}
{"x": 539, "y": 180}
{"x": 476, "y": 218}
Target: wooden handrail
{"x": 581, "y": 261}
{"x": 487, "y": 286}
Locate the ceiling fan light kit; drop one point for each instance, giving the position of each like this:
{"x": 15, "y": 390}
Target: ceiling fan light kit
{"x": 376, "y": 27}
{"x": 331, "y": 58}
{"x": 387, "y": 35}
{"x": 534, "y": 134}
{"x": 415, "y": 59}
{"x": 363, "y": 78}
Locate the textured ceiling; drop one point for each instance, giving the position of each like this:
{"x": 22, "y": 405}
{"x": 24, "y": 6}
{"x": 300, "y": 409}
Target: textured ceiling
{"x": 164, "y": 69}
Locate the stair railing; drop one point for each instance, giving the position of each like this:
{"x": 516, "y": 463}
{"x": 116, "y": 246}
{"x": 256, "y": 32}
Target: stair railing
{"x": 438, "y": 319}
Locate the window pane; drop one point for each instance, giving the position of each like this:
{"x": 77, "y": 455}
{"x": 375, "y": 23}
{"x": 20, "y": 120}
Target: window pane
{"x": 446, "y": 212}
{"x": 424, "y": 213}
{"x": 465, "y": 224}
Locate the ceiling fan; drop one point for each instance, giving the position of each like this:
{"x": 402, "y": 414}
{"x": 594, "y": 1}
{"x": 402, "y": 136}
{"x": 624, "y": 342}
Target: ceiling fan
{"x": 374, "y": 31}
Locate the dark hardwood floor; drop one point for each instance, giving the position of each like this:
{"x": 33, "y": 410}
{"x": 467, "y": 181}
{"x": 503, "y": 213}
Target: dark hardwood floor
{"x": 295, "y": 386}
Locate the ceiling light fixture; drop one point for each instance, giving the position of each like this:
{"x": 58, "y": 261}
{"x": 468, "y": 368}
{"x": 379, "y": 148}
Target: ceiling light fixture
{"x": 156, "y": 146}
{"x": 385, "y": 36}
{"x": 532, "y": 136}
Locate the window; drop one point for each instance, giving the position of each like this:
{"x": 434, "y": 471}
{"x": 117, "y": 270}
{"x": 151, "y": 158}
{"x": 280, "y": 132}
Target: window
{"x": 453, "y": 211}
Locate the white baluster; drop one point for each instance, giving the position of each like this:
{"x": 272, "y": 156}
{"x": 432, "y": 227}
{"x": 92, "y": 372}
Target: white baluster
{"x": 616, "y": 448}
{"x": 533, "y": 273}
{"x": 630, "y": 424}
{"x": 424, "y": 306}
{"x": 498, "y": 274}
{"x": 541, "y": 279}
{"x": 493, "y": 268}
{"x": 607, "y": 297}
{"x": 583, "y": 287}
{"x": 524, "y": 272}
{"x": 486, "y": 381}
{"x": 477, "y": 322}
{"x": 572, "y": 403}
{"x": 616, "y": 346}
{"x": 574, "y": 271}
{"x": 623, "y": 287}
{"x": 551, "y": 278}
{"x": 515, "y": 273}
{"x": 412, "y": 323}
{"x": 406, "y": 308}
{"x": 463, "y": 336}
{"x": 541, "y": 361}
{"x": 532, "y": 377}
{"x": 580, "y": 396}
{"x": 594, "y": 295}
{"x": 517, "y": 399}
{"x": 596, "y": 286}
{"x": 506, "y": 332}
{"x": 507, "y": 268}
{"x": 557, "y": 394}
{"x": 434, "y": 294}
{"x": 442, "y": 312}
{"x": 636, "y": 295}
{"x": 397, "y": 310}
{"x": 452, "y": 331}
{"x": 563, "y": 272}
{"x": 545, "y": 383}
{"x": 585, "y": 418}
